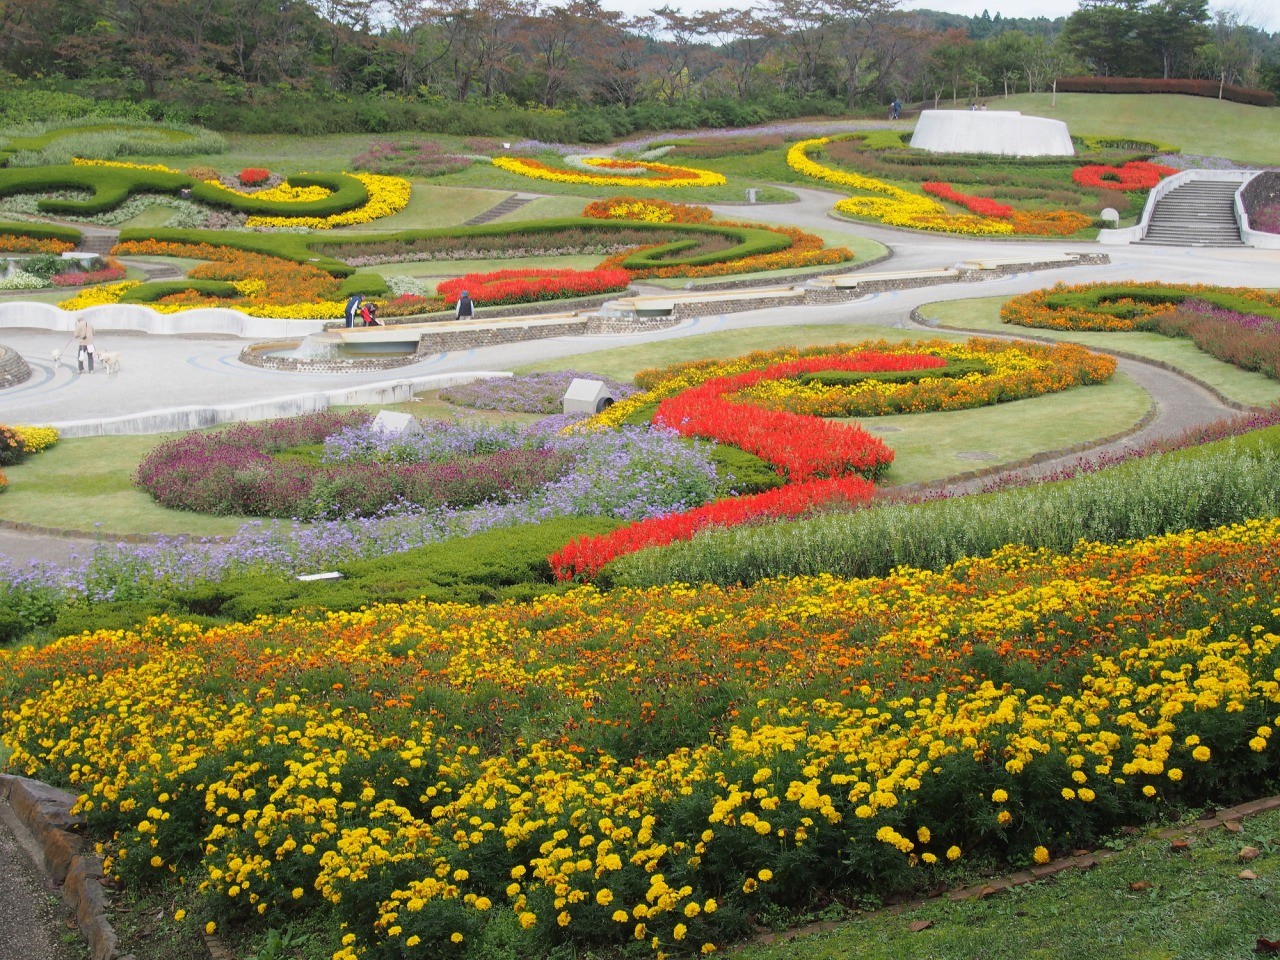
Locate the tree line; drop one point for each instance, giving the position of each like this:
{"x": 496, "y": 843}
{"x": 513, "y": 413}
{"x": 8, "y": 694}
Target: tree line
{"x": 576, "y": 55}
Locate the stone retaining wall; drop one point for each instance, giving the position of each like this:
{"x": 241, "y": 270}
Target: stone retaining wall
{"x": 255, "y": 356}
{"x": 13, "y": 369}
{"x": 45, "y": 812}
{"x": 834, "y": 295}
{"x": 446, "y": 340}
{"x": 684, "y": 309}
{"x": 599, "y": 324}
{"x": 797, "y": 279}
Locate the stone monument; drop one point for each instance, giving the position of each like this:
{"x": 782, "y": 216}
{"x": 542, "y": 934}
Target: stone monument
{"x": 1003, "y": 132}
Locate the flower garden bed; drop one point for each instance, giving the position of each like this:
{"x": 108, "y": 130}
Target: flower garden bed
{"x": 447, "y": 778}
{"x": 626, "y": 173}
{"x": 1238, "y": 325}
{"x": 1036, "y": 179}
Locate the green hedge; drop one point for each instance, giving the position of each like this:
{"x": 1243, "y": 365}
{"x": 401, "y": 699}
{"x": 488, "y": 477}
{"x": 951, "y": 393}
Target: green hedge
{"x": 40, "y": 231}
{"x": 510, "y": 563}
{"x": 841, "y": 378}
{"x": 156, "y": 289}
{"x": 365, "y": 284}
{"x": 1094, "y": 300}
{"x": 348, "y": 193}
{"x": 111, "y": 186}
{"x": 309, "y": 248}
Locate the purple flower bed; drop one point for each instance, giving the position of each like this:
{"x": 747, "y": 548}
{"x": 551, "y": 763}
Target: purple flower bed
{"x": 1244, "y": 340}
{"x": 235, "y": 472}
{"x": 630, "y": 474}
{"x": 531, "y": 393}
{"x": 1266, "y": 220}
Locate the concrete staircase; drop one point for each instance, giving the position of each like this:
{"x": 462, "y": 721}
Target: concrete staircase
{"x": 509, "y": 205}
{"x": 98, "y": 241}
{"x": 1197, "y": 214}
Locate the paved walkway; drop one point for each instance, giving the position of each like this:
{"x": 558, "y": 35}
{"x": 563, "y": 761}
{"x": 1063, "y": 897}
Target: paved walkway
{"x": 32, "y": 918}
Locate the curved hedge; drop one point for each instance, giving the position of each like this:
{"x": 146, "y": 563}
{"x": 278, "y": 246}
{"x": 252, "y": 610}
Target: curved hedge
{"x": 309, "y": 248}
{"x": 110, "y": 186}
{"x": 158, "y": 289}
{"x": 348, "y": 193}
{"x": 40, "y": 231}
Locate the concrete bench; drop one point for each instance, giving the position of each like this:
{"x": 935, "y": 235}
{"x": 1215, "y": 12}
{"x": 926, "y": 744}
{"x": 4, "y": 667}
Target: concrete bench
{"x": 852, "y": 280}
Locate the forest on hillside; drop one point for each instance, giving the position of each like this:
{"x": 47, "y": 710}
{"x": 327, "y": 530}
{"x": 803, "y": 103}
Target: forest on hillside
{"x": 344, "y": 64}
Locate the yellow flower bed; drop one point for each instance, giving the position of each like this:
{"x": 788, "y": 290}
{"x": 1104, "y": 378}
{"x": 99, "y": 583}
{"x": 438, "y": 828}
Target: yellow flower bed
{"x": 428, "y": 769}
{"x": 161, "y": 168}
{"x": 668, "y": 174}
{"x": 281, "y": 192}
{"x": 387, "y": 196}
{"x": 35, "y": 439}
{"x": 97, "y": 296}
{"x": 892, "y": 205}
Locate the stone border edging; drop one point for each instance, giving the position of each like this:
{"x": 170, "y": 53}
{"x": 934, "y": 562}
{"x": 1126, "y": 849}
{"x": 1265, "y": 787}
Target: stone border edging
{"x": 68, "y": 858}
{"x": 1078, "y": 860}
{"x": 14, "y": 369}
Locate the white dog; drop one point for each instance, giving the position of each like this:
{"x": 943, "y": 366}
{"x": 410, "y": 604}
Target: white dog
{"x": 110, "y": 360}
{"x": 57, "y": 356}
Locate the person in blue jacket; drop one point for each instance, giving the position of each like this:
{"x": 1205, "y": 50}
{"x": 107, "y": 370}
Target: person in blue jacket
{"x": 352, "y": 309}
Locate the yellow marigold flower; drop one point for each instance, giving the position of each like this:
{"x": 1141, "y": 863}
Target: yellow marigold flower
{"x": 923, "y": 835}
{"x": 1148, "y": 791}
{"x": 1086, "y": 795}
{"x": 929, "y": 858}
{"x": 1040, "y": 855}
{"x": 528, "y": 919}
{"x": 413, "y": 941}
{"x": 1201, "y": 753}
{"x": 1004, "y": 818}
{"x": 708, "y": 948}
{"x": 157, "y": 861}
{"x": 691, "y": 909}
{"x": 953, "y": 853}
{"x": 604, "y": 897}
{"x": 710, "y": 906}
{"x": 679, "y": 931}
{"x": 179, "y": 915}
{"x": 1175, "y": 774}
{"x": 1257, "y": 744}
{"x": 1068, "y": 793}
{"x": 210, "y": 927}
{"x": 640, "y": 931}
{"x": 621, "y": 916}
{"x": 455, "y": 937}
{"x": 765, "y": 875}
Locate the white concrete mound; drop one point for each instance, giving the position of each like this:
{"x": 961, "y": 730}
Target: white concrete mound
{"x": 1005, "y": 132}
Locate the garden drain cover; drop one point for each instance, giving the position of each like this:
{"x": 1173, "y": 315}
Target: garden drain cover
{"x": 885, "y": 429}
{"x": 975, "y": 455}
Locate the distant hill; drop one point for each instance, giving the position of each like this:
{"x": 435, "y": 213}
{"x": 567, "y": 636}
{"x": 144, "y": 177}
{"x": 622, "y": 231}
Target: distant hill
{"x": 987, "y": 24}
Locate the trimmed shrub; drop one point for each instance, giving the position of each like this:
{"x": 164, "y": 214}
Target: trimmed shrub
{"x": 40, "y": 231}
{"x": 1195, "y": 88}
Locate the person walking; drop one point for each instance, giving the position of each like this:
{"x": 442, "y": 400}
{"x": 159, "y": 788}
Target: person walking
{"x": 465, "y": 309}
{"x": 83, "y": 336}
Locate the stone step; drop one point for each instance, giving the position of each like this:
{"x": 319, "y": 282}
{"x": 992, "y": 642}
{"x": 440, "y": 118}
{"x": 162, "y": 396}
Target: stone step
{"x": 509, "y": 205}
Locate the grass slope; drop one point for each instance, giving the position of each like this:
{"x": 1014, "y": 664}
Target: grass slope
{"x": 1198, "y": 125}
{"x": 1193, "y": 906}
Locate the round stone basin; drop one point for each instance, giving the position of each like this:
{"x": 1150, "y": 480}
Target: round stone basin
{"x": 328, "y": 353}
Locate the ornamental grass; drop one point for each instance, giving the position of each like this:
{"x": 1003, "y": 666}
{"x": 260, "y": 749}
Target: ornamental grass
{"x": 663, "y": 767}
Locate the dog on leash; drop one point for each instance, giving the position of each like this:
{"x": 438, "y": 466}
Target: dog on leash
{"x": 57, "y": 356}
{"x": 110, "y": 360}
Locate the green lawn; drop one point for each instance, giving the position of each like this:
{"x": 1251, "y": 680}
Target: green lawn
{"x": 1145, "y": 903}
{"x": 1198, "y": 125}
{"x": 983, "y": 314}
{"x": 933, "y": 446}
